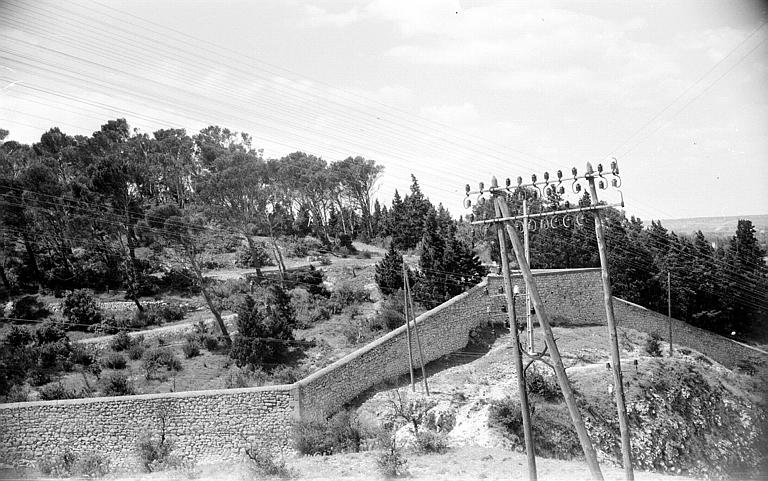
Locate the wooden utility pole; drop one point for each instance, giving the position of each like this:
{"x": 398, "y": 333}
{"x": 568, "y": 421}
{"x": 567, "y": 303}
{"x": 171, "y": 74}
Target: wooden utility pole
{"x": 409, "y": 300}
{"x": 669, "y": 309}
{"x": 549, "y": 338}
{"x": 517, "y": 356}
{"x": 407, "y": 324}
{"x": 527, "y": 245}
{"x": 626, "y": 447}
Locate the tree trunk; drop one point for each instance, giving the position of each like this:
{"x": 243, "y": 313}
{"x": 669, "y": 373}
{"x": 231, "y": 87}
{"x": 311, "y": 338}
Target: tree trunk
{"x": 134, "y": 274}
{"x": 208, "y": 300}
{"x": 33, "y": 261}
{"x": 4, "y": 278}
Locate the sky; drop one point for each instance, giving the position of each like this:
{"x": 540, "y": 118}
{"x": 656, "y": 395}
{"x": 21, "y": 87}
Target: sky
{"x": 453, "y": 92}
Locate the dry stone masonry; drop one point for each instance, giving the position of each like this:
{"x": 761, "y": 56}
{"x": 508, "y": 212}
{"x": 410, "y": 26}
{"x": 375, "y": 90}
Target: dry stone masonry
{"x": 216, "y": 425}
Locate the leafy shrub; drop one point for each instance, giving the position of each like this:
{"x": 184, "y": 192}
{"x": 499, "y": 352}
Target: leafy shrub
{"x": 80, "y": 355}
{"x": 121, "y": 342}
{"x": 17, "y": 394}
{"x": 542, "y": 386}
{"x": 287, "y": 374}
{"x": 553, "y": 433}
{"x": 241, "y": 378}
{"x": 310, "y": 279}
{"x": 266, "y": 464}
{"x": 155, "y": 359}
{"x": 191, "y": 348}
{"x": 253, "y": 258}
{"x": 117, "y": 384}
{"x": 390, "y": 462}
{"x": 52, "y": 354}
{"x": 50, "y": 332}
{"x": 114, "y": 361}
{"x": 338, "y": 434}
{"x": 303, "y": 246}
{"x": 28, "y": 308}
{"x": 92, "y": 465}
{"x": 55, "y": 391}
{"x": 17, "y": 337}
{"x": 346, "y": 295}
{"x": 180, "y": 280}
{"x": 391, "y": 313}
{"x": 81, "y": 309}
{"x": 136, "y": 351}
{"x": 431, "y": 442}
{"x": 156, "y": 315}
{"x": 155, "y": 451}
{"x": 61, "y": 465}
{"x": 653, "y": 346}
{"x": 210, "y": 342}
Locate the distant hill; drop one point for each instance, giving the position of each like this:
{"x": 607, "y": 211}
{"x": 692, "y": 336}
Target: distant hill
{"x": 715, "y": 225}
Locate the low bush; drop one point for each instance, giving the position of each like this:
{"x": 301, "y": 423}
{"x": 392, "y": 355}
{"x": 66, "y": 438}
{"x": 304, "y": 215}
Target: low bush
{"x": 80, "y": 355}
{"x": 155, "y": 452}
{"x": 121, "y": 342}
{"x": 543, "y": 387}
{"x": 28, "y": 308}
{"x": 92, "y": 465}
{"x": 117, "y": 384}
{"x": 56, "y": 391}
{"x": 253, "y": 258}
{"x": 553, "y": 433}
{"x": 136, "y": 351}
{"x": 266, "y": 465}
{"x": 155, "y": 359}
{"x": 61, "y": 465}
{"x": 391, "y": 462}
{"x": 431, "y": 442}
{"x": 284, "y": 374}
{"x": 114, "y": 360}
{"x": 53, "y": 354}
{"x": 346, "y": 295}
{"x": 191, "y": 348}
{"x": 653, "y": 346}
{"x": 81, "y": 309}
{"x": 339, "y": 433}
{"x": 181, "y": 280}
{"x": 241, "y": 378}
{"x": 210, "y": 342}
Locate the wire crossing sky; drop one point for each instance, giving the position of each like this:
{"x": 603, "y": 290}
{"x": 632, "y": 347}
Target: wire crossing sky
{"x": 453, "y": 92}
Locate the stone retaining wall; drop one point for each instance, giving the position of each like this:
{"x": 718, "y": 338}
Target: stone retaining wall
{"x": 204, "y": 425}
{"x": 215, "y": 425}
{"x": 727, "y": 352}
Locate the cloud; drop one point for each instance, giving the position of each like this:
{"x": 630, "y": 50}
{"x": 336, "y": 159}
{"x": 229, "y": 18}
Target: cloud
{"x": 318, "y": 16}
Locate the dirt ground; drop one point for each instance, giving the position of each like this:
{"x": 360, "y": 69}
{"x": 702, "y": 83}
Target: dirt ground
{"x": 461, "y": 463}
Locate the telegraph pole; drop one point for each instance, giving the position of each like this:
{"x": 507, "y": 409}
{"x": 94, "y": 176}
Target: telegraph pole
{"x": 549, "y": 337}
{"x": 527, "y": 245}
{"x": 409, "y": 300}
{"x": 408, "y": 324}
{"x": 669, "y": 309}
{"x": 516, "y": 354}
{"x": 626, "y": 448}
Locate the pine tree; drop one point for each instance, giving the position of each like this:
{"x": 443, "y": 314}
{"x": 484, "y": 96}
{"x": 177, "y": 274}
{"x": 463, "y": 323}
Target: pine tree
{"x": 389, "y": 272}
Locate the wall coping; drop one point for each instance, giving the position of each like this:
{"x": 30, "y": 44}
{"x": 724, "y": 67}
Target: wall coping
{"x": 548, "y": 272}
{"x": 756, "y": 349}
{"x": 386, "y": 337}
{"x": 135, "y": 397}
